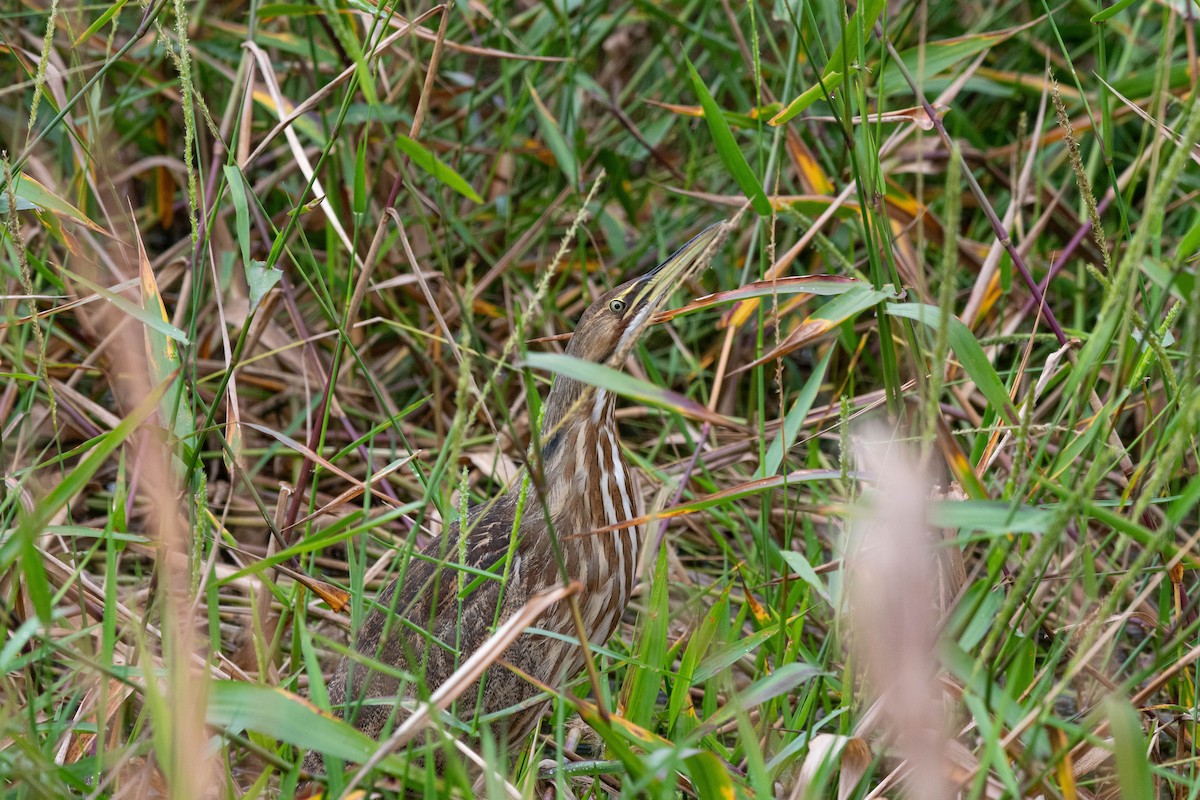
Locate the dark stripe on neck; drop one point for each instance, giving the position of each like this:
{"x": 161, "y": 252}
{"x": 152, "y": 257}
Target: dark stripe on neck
{"x": 551, "y": 447}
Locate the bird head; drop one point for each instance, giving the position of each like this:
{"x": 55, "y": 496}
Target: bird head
{"x": 611, "y": 325}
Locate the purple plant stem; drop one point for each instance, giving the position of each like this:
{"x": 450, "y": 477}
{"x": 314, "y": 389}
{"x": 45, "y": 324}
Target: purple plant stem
{"x": 1065, "y": 254}
{"x": 683, "y": 481}
{"x": 997, "y": 225}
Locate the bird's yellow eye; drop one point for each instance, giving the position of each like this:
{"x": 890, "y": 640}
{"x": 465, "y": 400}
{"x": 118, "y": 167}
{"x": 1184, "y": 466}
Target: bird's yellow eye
{"x": 616, "y": 306}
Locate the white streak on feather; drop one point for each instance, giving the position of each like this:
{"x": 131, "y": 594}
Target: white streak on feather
{"x": 634, "y": 328}
{"x": 610, "y": 510}
{"x": 598, "y": 404}
{"x": 604, "y": 628}
{"x": 619, "y": 474}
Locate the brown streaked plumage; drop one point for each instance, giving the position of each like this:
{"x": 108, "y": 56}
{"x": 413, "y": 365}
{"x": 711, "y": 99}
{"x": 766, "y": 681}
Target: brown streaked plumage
{"x": 587, "y": 486}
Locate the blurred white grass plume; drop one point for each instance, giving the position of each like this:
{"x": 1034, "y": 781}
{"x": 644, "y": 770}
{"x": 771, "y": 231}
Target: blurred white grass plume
{"x": 892, "y": 610}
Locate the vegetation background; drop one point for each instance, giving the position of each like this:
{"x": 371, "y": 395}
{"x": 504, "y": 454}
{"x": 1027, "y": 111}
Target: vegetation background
{"x": 272, "y": 274}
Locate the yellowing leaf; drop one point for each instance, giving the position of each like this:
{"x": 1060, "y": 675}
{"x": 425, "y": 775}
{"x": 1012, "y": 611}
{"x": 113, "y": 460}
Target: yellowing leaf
{"x": 33, "y": 195}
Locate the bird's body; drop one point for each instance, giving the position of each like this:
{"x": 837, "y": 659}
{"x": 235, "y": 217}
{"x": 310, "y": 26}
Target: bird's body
{"x": 603, "y": 564}
{"x": 431, "y": 619}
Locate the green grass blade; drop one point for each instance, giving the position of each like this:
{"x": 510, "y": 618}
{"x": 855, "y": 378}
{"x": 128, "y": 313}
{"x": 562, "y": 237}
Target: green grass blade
{"x": 697, "y": 647}
{"x": 1112, "y": 11}
{"x": 794, "y": 418}
{"x": 964, "y": 344}
{"x": 440, "y": 171}
{"x": 100, "y": 22}
{"x": 1133, "y": 768}
{"x": 727, "y": 147}
{"x": 864, "y": 18}
{"x": 145, "y": 316}
{"x": 237, "y": 707}
{"x": 606, "y": 377}
{"x": 24, "y": 541}
{"x": 645, "y": 678}
{"x": 552, "y": 133}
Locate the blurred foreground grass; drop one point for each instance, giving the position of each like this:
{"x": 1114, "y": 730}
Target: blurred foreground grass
{"x": 272, "y": 272}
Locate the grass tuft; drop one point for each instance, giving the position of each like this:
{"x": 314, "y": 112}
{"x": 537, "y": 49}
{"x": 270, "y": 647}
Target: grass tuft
{"x": 284, "y": 287}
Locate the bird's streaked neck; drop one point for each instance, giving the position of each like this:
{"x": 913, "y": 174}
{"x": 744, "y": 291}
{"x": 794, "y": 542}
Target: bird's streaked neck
{"x": 595, "y": 410}
{"x": 580, "y": 452}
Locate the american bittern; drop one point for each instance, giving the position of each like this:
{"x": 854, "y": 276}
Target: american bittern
{"x": 443, "y": 613}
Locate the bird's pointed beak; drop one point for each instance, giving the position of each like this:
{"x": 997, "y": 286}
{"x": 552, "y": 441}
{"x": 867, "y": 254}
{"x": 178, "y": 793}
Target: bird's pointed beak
{"x": 658, "y": 283}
